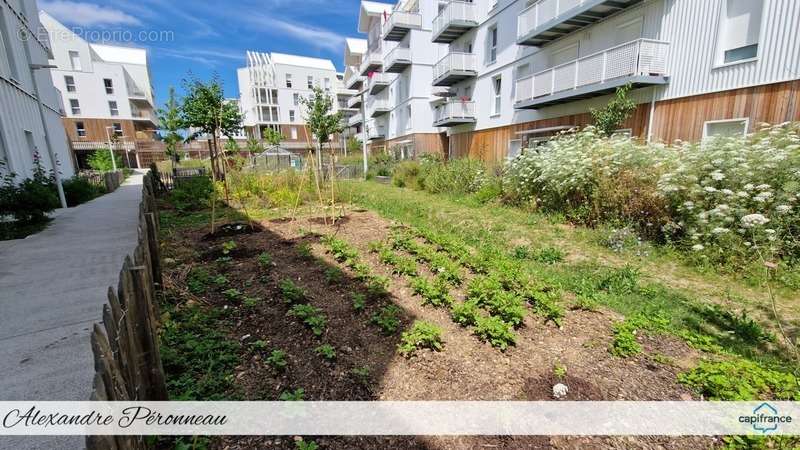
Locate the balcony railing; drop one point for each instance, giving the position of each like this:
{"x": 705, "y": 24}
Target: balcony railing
{"x": 641, "y": 61}
{"x": 397, "y": 60}
{"x": 355, "y": 120}
{"x": 377, "y": 106}
{"x": 354, "y": 81}
{"x": 354, "y": 101}
{"x": 375, "y": 131}
{"x": 399, "y": 24}
{"x": 455, "y": 67}
{"x": 547, "y": 20}
{"x": 454, "y": 112}
{"x": 372, "y": 63}
{"x": 377, "y": 82}
{"x": 456, "y": 18}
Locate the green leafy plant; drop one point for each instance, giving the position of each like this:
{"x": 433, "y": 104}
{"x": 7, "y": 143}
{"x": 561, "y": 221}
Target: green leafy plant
{"x": 264, "y": 260}
{"x": 220, "y": 280}
{"x": 305, "y": 445}
{"x": 387, "y": 319}
{"x": 277, "y": 360}
{"x": 334, "y": 275}
{"x": 79, "y": 190}
{"x": 466, "y": 313}
{"x": 560, "y": 371}
{"x": 617, "y": 111}
{"x": 401, "y": 265}
{"x": 495, "y": 331}
{"x": 741, "y": 380}
{"x": 421, "y": 335}
{"x": 361, "y": 374}
{"x": 198, "y": 280}
{"x": 311, "y": 316}
{"x": 359, "y": 301}
{"x": 341, "y": 250}
{"x": 296, "y": 395}
{"x": 435, "y": 293}
{"x": 548, "y": 255}
{"x": 625, "y": 343}
{"x": 228, "y": 247}
{"x": 232, "y": 294}
{"x": 192, "y": 194}
{"x": 377, "y": 287}
{"x": 291, "y": 292}
{"x": 326, "y": 351}
{"x": 251, "y": 302}
{"x": 508, "y": 307}
{"x": 305, "y": 250}
{"x": 586, "y": 303}
{"x": 100, "y": 160}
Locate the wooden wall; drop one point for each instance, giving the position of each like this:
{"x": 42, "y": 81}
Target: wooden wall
{"x": 491, "y": 145}
{"x": 424, "y": 143}
{"x": 683, "y": 118}
{"x": 96, "y": 129}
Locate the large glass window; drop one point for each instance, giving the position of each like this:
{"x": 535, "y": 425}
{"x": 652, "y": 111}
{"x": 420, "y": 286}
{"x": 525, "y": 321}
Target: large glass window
{"x": 739, "y": 30}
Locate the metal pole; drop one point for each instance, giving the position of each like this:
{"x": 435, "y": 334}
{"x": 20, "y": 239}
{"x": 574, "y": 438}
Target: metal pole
{"x": 364, "y": 134}
{"x": 111, "y": 150}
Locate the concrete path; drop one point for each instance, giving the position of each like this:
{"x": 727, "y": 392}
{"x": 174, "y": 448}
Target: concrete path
{"x": 52, "y": 289}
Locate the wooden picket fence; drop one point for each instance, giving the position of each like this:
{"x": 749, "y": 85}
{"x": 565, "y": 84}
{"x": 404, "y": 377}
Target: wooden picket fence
{"x": 126, "y": 354}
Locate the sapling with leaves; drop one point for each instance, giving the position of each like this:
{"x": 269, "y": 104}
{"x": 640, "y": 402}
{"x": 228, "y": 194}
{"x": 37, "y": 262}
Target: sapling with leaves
{"x": 170, "y": 119}
{"x": 608, "y": 119}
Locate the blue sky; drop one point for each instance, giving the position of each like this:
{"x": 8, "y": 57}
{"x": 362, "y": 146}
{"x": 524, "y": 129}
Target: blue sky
{"x": 210, "y": 37}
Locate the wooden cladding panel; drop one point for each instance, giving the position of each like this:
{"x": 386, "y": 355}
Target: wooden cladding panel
{"x": 683, "y": 118}
{"x": 96, "y": 129}
{"x": 491, "y": 145}
{"x": 424, "y": 143}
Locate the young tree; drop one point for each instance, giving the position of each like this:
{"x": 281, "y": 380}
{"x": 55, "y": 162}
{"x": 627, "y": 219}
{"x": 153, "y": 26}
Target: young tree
{"x": 608, "y": 119}
{"x": 273, "y": 137}
{"x": 171, "y": 123}
{"x": 205, "y": 111}
{"x": 353, "y": 145}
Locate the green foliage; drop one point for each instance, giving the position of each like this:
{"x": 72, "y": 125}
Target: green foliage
{"x": 198, "y": 280}
{"x": 401, "y": 265}
{"x": 381, "y": 165}
{"x": 232, "y": 294}
{"x": 548, "y": 255}
{"x": 620, "y": 281}
{"x": 377, "y": 287}
{"x": 326, "y": 351}
{"x": 435, "y": 293}
{"x": 205, "y": 110}
{"x": 359, "y": 301}
{"x": 421, "y": 335}
{"x": 311, "y": 316}
{"x": 277, "y": 360}
{"x": 296, "y": 395}
{"x": 264, "y": 261}
{"x": 199, "y": 358}
{"x": 586, "y": 303}
{"x": 625, "y": 343}
{"x": 508, "y": 307}
{"x": 272, "y": 137}
{"x": 170, "y": 121}
{"x": 741, "y": 380}
{"x": 192, "y": 194}
{"x": 30, "y": 200}
{"x": 228, "y": 247}
{"x": 361, "y": 374}
{"x": 251, "y": 302}
{"x": 559, "y": 370}
{"x": 319, "y": 116}
{"x": 305, "y": 445}
{"x": 387, "y": 319}
{"x": 79, "y": 190}
{"x": 291, "y": 292}
{"x": 495, "y": 331}
{"x": 406, "y": 174}
{"x": 609, "y": 119}
{"x": 220, "y": 280}
{"x": 334, "y": 275}
{"x": 466, "y": 313}
{"x": 341, "y": 250}
{"x": 304, "y": 250}
{"x": 100, "y": 160}
{"x": 458, "y": 176}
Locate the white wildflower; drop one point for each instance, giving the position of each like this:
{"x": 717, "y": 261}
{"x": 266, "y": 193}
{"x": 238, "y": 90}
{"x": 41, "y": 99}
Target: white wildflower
{"x": 698, "y": 247}
{"x": 720, "y": 230}
{"x": 783, "y": 209}
{"x": 754, "y": 220}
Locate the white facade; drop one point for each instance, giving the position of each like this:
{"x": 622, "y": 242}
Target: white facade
{"x": 101, "y": 81}
{"x": 271, "y": 88}
{"x": 22, "y": 131}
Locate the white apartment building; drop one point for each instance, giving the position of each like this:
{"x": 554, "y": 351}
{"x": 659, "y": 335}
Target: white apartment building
{"x": 517, "y": 71}
{"x": 106, "y": 91}
{"x": 22, "y": 128}
{"x": 271, "y": 88}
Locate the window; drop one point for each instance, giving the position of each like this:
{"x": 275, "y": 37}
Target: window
{"x": 109, "y": 85}
{"x": 288, "y": 80}
{"x": 296, "y": 97}
{"x": 514, "y": 148}
{"x": 80, "y": 129}
{"x": 739, "y": 30}
{"x": 70, "y": 82}
{"x": 6, "y": 39}
{"x": 408, "y": 117}
{"x": 310, "y": 82}
{"x": 497, "y": 90}
{"x": 491, "y": 44}
{"x": 293, "y": 133}
{"x": 117, "y": 129}
{"x": 113, "y": 109}
{"x": 291, "y": 115}
{"x": 75, "y": 60}
{"x": 327, "y": 84}
{"x": 75, "y": 106}
{"x": 732, "y": 127}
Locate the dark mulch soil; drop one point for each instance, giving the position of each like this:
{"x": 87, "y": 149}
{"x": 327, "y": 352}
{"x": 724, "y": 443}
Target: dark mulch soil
{"x": 466, "y": 369}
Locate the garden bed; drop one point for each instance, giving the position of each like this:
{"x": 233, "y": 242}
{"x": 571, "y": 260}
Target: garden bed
{"x": 253, "y": 285}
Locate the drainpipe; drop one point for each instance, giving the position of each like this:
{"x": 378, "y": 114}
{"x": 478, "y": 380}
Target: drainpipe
{"x": 652, "y": 116}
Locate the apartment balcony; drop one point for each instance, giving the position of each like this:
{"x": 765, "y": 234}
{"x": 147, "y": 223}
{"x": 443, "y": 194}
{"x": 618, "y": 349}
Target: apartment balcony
{"x": 144, "y": 118}
{"x": 399, "y": 24}
{"x": 354, "y": 81}
{"x": 373, "y": 62}
{"x": 377, "y": 107}
{"x": 455, "y": 67}
{"x": 456, "y": 18}
{"x": 641, "y": 62}
{"x": 397, "y": 60}
{"x": 355, "y": 120}
{"x": 454, "y": 112}
{"x": 354, "y": 101}
{"x": 548, "y": 20}
{"x": 375, "y": 131}
{"x": 377, "y": 83}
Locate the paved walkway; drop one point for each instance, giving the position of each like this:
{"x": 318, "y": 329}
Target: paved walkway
{"x": 52, "y": 289}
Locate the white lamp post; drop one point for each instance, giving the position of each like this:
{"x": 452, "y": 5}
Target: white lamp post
{"x": 111, "y": 148}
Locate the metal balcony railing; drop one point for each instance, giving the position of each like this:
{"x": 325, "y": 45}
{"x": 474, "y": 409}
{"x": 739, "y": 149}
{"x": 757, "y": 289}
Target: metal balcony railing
{"x": 355, "y": 120}
{"x": 375, "y": 131}
{"x": 641, "y": 57}
{"x": 454, "y": 112}
{"x": 454, "y": 65}
{"x": 400, "y": 23}
{"x": 454, "y": 20}
{"x": 354, "y": 101}
{"x": 377, "y": 106}
{"x": 397, "y": 59}
{"x": 372, "y": 62}
{"x": 542, "y": 12}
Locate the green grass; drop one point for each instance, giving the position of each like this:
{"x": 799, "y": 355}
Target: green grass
{"x": 486, "y": 235}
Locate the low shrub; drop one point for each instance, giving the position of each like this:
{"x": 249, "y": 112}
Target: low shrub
{"x": 100, "y": 160}
{"x": 458, "y": 176}
{"x": 466, "y": 313}
{"x": 434, "y": 293}
{"x": 387, "y": 319}
{"x": 277, "y": 360}
{"x": 495, "y": 331}
{"x": 291, "y": 292}
{"x": 192, "y": 194}
{"x": 421, "y": 335}
{"x": 406, "y": 174}
{"x": 741, "y": 380}
{"x": 326, "y": 351}
{"x": 79, "y": 190}
{"x": 30, "y": 200}
{"x": 311, "y": 316}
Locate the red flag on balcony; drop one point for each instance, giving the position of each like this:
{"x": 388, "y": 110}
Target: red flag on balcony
{"x": 385, "y": 16}
{"x": 370, "y": 74}
{"x": 464, "y": 99}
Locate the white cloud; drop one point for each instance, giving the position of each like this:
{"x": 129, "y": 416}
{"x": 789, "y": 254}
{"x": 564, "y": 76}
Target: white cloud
{"x": 316, "y": 37}
{"x": 87, "y": 14}
{"x": 207, "y": 57}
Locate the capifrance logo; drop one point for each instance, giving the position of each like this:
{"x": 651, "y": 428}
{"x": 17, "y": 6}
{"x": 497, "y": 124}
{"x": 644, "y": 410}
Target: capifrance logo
{"x": 765, "y": 418}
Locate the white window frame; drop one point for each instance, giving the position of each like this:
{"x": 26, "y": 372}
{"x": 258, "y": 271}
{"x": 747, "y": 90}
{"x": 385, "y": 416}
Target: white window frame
{"x": 288, "y": 80}
{"x": 117, "y": 126}
{"x": 80, "y": 129}
{"x": 296, "y": 99}
{"x": 497, "y": 96}
{"x": 6, "y": 39}
{"x": 310, "y": 82}
{"x": 746, "y": 121}
{"x": 108, "y": 87}
{"x": 408, "y": 116}
{"x": 70, "y": 84}
{"x": 492, "y": 47}
{"x": 73, "y": 57}
{"x": 510, "y": 143}
{"x": 291, "y": 115}
{"x": 719, "y": 52}
{"x": 293, "y": 133}
{"x": 75, "y": 107}
{"x": 113, "y": 108}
